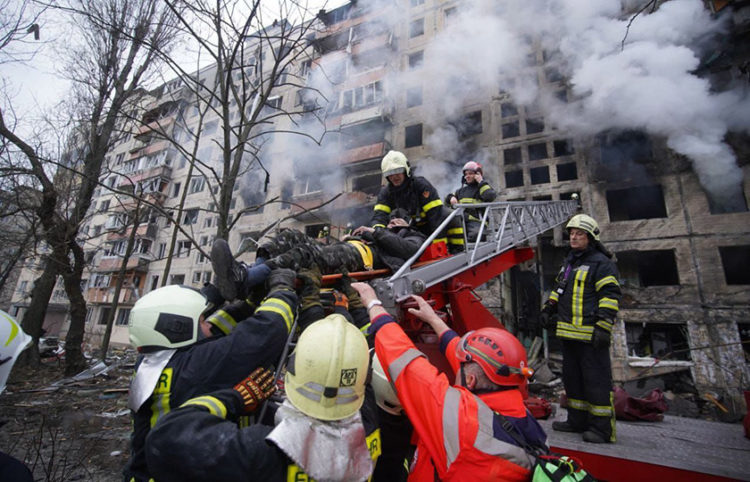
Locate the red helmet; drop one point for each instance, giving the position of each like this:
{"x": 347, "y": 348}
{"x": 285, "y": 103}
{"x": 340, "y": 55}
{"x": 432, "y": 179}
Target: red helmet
{"x": 498, "y": 352}
{"x": 472, "y": 166}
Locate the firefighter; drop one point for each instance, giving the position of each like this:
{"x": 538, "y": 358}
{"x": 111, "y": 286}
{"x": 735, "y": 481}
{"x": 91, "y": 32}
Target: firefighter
{"x": 418, "y": 197}
{"x": 459, "y": 436}
{"x": 180, "y": 358}
{"x": 584, "y": 301}
{"x": 319, "y": 431}
{"x": 13, "y": 341}
{"x": 474, "y": 189}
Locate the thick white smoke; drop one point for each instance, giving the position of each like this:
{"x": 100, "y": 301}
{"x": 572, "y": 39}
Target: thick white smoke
{"x": 638, "y": 77}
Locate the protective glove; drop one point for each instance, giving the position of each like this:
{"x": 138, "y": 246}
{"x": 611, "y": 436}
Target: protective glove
{"x": 546, "y": 316}
{"x": 256, "y": 388}
{"x": 355, "y": 301}
{"x": 600, "y": 338}
{"x": 310, "y": 290}
{"x": 281, "y": 279}
{"x": 335, "y": 298}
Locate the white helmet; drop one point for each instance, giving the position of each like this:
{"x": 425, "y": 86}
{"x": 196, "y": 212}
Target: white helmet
{"x": 385, "y": 395}
{"x": 585, "y": 223}
{"x": 167, "y": 317}
{"x": 395, "y": 163}
{"x": 13, "y": 340}
{"x": 326, "y": 374}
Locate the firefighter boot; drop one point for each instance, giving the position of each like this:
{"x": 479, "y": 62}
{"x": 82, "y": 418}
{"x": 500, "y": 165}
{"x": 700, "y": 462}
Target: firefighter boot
{"x": 593, "y": 437}
{"x": 229, "y": 275}
{"x": 565, "y": 427}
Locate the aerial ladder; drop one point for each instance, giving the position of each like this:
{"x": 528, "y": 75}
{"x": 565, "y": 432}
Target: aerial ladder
{"x": 449, "y": 280}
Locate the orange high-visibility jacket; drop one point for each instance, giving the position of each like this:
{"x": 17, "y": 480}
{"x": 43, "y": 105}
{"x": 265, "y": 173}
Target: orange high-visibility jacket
{"x": 459, "y": 436}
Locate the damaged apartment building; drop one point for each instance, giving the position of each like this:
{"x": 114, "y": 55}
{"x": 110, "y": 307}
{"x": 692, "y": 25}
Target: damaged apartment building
{"x": 374, "y": 75}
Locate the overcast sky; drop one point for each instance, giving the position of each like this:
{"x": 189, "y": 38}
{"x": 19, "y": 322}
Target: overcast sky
{"x": 35, "y": 85}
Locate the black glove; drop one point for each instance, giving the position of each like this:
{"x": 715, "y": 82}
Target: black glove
{"x": 254, "y": 389}
{"x": 600, "y": 338}
{"x": 546, "y": 317}
{"x": 281, "y": 279}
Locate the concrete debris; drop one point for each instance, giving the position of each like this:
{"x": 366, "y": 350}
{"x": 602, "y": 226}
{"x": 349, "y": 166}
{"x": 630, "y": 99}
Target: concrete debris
{"x": 119, "y": 413}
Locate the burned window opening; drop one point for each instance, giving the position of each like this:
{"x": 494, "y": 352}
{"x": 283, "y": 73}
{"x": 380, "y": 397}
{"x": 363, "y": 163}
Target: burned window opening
{"x": 534, "y": 126}
{"x": 567, "y": 172}
{"x": 413, "y": 135}
{"x": 744, "y": 329}
{"x": 735, "y": 260}
{"x": 416, "y": 28}
{"x": 546, "y": 197}
{"x": 514, "y": 178}
{"x": 468, "y": 125}
{"x": 563, "y": 147}
{"x": 625, "y": 147}
{"x": 539, "y": 175}
{"x": 313, "y": 230}
{"x": 511, "y": 129}
{"x": 648, "y": 268}
{"x": 641, "y": 202}
{"x": 659, "y": 340}
{"x": 416, "y": 59}
{"x": 508, "y": 109}
{"x": 726, "y": 203}
{"x": 512, "y": 156}
{"x": 538, "y": 152}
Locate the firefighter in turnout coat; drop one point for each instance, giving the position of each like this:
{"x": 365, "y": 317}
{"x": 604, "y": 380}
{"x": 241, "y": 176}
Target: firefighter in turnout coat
{"x": 180, "y": 358}
{"x": 585, "y": 301}
{"x": 418, "y": 197}
{"x": 474, "y": 189}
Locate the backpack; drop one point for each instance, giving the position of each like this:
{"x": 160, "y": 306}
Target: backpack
{"x": 548, "y": 466}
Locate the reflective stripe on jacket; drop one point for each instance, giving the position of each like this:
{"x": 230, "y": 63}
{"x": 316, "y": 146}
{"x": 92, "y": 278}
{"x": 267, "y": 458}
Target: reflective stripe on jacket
{"x": 587, "y": 293}
{"x": 458, "y": 435}
{"x": 475, "y": 193}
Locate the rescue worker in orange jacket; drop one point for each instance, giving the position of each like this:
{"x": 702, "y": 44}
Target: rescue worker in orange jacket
{"x": 459, "y": 434}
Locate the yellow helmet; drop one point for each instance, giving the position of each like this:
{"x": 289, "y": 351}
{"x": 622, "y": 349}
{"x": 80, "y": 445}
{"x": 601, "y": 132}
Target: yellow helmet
{"x": 326, "y": 374}
{"x": 13, "y": 340}
{"x": 385, "y": 395}
{"x": 586, "y": 223}
{"x": 394, "y": 163}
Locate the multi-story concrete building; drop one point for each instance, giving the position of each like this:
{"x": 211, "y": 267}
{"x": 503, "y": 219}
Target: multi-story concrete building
{"x": 370, "y": 73}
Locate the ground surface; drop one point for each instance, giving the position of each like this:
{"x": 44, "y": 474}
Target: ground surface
{"x": 78, "y": 429}
{"x": 67, "y": 429}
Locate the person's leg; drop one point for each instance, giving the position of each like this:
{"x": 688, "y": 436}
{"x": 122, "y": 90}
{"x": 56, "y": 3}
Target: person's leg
{"x": 574, "y": 390}
{"x": 597, "y": 384}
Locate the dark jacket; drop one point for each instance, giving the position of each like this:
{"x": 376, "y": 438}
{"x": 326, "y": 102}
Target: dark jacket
{"x": 212, "y": 364}
{"x": 475, "y": 193}
{"x": 394, "y": 247}
{"x": 586, "y": 293}
{"x": 418, "y": 197}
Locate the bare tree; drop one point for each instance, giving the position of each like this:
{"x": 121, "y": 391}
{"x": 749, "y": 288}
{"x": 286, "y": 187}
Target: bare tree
{"x": 119, "y": 39}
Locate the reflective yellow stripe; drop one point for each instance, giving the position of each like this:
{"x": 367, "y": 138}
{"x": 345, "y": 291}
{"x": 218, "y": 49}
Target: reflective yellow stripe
{"x": 456, "y": 231}
{"x": 223, "y": 321}
{"x": 600, "y": 410}
{"x": 374, "y": 445}
{"x": 468, "y": 200}
{"x": 484, "y": 188}
{"x": 610, "y": 303}
{"x": 13, "y": 329}
{"x": 440, "y": 240}
{"x": 579, "y": 283}
{"x": 456, "y": 241}
{"x": 365, "y": 328}
{"x": 430, "y": 205}
{"x": 382, "y": 207}
{"x": 554, "y": 296}
{"x": 378, "y": 225}
{"x": 279, "y": 306}
{"x": 364, "y": 252}
{"x": 605, "y": 325}
{"x": 213, "y": 404}
{"x": 160, "y": 405}
{"x": 605, "y": 281}
{"x": 578, "y": 404}
{"x": 613, "y": 437}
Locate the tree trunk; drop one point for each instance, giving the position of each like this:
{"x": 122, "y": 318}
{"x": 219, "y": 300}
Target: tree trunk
{"x": 120, "y": 280}
{"x": 74, "y": 359}
{"x": 33, "y": 319}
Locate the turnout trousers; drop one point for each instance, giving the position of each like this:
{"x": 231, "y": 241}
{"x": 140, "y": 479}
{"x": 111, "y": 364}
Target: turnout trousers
{"x": 587, "y": 376}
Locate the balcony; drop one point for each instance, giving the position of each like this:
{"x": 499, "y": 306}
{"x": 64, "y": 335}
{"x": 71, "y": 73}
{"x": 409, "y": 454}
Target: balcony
{"x": 158, "y": 126}
{"x": 146, "y": 149}
{"x": 106, "y": 295}
{"x": 141, "y": 175}
{"x": 137, "y": 262}
{"x": 362, "y": 153}
{"x": 144, "y": 231}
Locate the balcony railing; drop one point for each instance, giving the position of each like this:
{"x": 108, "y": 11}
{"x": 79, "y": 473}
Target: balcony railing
{"x": 107, "y": 295}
